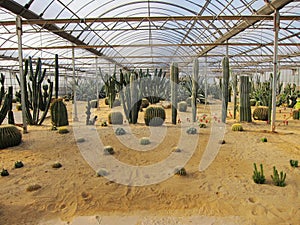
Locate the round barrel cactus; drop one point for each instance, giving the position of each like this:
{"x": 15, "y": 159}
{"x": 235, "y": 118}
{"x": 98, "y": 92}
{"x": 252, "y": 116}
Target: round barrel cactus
{"x": 154, "y": 116}
{"x": 59, "y": 114}
{"x": 9, "y": 136}
{"x": 261, "y": 113}
{"x": 115, "y": 118}
{"x": 182, "y": 106}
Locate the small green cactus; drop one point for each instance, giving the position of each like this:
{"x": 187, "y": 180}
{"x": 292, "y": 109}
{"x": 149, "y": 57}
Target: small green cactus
{"x": 4, "y": 173}
{"x": 237, "y": 127}
{"x": 202, "y": 125}
{"x": 102, "y": 172}
{"x": 191, "y": 130}
{"x": 180, "y": 171}
{"x": 120, "y": 131}
{"x": 294, "y": 163}
{"x": 144, "y": 141}
{"x": 56, "y": 165}
{"x": 278, "y": 178}
{"x": 182, "y": 106}
{"x": 176, "y": 149}
{"x": 264, "y": 139}
{"x": 108, "y": 150}
{"x": 258, "y": 176}
{"x": 19, "y": 164}
{"x": 63, "y": 130}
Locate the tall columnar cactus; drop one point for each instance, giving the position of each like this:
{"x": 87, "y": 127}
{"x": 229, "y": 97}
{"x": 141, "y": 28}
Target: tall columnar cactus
{"x": 37, "y": 96}
{"x": 2, "y": 91}
{"x": 110, "y": 87}
{"x": 225, "y": 89}
{"x": 88, "y": 113}
{"x": 194, "y": 88}
{"x": 245, "y": 108}
{"x": 7, "y": 107}
{"x": 56, "y": 74}
{"x": 11, "y": 119}
{"x": 9, "y": 136}
{"x": 134, "y": 99}
{"x": 174, "y": 82}
{"x": 234, "y": 87}
{"x": 59, "y": 114}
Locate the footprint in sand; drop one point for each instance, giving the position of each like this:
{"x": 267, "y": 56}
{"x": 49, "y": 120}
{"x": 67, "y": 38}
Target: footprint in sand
{"x": 86, "y": 196}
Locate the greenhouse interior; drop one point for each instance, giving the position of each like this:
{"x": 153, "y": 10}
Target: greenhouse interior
{"x": 149, "y": 112}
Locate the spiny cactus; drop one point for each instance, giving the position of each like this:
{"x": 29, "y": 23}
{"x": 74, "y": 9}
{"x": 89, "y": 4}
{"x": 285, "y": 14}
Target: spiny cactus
{"x": 6, "y": 108}
{"x": 19, "y": 164}
{"x": 120, "y": 131}
{"x": 225, "y": 87}
{"x": 59, "y": 114}
{"x": 154, "y": 116}
{"x": 258, "y": 176}
{"x": 182, "y": 106}
{"x": 4, "y": 173}
{"x": 245, "y": 108}
{"x": 261, "y": 113}
{"x": 56, "y": 165}
{"x": 145, "y": 141}
{"x": 191, "y": 130}
{"x": 278, "y": 178}
{"x": 108, "y": 150}
{"x": 294, "y": 163}
{"x": 180, "y": 171}
{"x": 237, "y": 127}
{"x": 174, "y": 81}
{"x": 115, "y": 118}
{"x": 9, "y": 136}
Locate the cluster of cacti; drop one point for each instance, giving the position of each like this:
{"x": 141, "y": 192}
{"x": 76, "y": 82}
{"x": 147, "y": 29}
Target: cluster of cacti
{"x": 9, "y": 136}
{"x": 174, "y": 82}
{"x": 120, "y": 131}
{"x": 237, "y": 127}
{"x": 261, "y": 113}
{"x": 154, "y": 116}
{"x": 115, "y": 118}
{"x": 296, "y": 114}
{"x": 145, "y": 141}
{"x": 294, "y": 163}
{"x": 245, "y": 108}
{"x": 59, "y": 113}
{"x": 37, "y": 95}
{"x": 6, "y": 108}
{"x": 180, "y": 171}
{"x": 19, "y": 164}
{"x": 225, "y": 88}
{"x": 182, "y": 106}
{"x": 108, "y": 150}
{"x": 56, "y": 165}
{"x": 191, "y": 130}
{"x": 264, "y": 139}
{"x": 4, "y": 173}
{"x": 110, "y": 87}
{"x": 63, "y": 130}
{"x": 278, "y": 178}
{"x": 258, "y": 176}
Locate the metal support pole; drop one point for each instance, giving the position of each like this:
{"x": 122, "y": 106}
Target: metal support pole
{"x": 97, "y": 78}
{"x": 275, "y": 67}
{"x": 75, "y": 118}
{"x": 205, "y": 80}
{"x": 20, "y": 52}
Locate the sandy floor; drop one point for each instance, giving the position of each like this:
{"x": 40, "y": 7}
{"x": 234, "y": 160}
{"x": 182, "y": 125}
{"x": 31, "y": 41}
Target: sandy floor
{"x": 223, "y": 193}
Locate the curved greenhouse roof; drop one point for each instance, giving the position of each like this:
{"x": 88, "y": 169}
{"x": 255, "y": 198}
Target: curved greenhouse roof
{"x": 151, "y": 34}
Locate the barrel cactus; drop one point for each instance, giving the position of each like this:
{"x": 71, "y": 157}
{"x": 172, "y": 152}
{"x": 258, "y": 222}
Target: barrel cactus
{"x": 59, "y": 114}
{"x": 120, "y": 131}
{"x": 296, "y": 114}
{"x": 191, "y": 130}
{"x": 115, "y": 118}
{"x": 145, "y": 141}
{"x": 154, "y": 116}
{"x": 237, "y": 127}
{"x": 182, "y": 106}
{"x": 180, "y": 171}
{"x": 261, "y": 113}
{"x": 9, "y": 136}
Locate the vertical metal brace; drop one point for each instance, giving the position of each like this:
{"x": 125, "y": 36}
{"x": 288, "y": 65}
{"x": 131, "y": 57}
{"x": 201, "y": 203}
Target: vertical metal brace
{"x": 75, "y": 118}
{"x": 20, "y": 52}
{"x": 275, "y": 68}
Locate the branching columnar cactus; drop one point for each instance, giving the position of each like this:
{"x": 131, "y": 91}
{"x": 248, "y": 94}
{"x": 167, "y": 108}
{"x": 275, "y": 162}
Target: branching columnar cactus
{"x": 261, "y": 113}
{"x": 174, "y": 82}
{"x": 245, "y": 108}
{"x": 258, "y": 176}
{"x": 6, "y": 108}
{"x": 110, "y": 87}
{"x": 278, "y": 178}
{"x": 37, "y": 96}
{"x": 9, "y": 136}
{"x": 182, "y": 106}
{"x": 194, "y": 89}
{"x": 59, "y": 114}
{"x": 154, "y": 116}
{"x": 115, "y": 118}
{"x": 225, "y": 87}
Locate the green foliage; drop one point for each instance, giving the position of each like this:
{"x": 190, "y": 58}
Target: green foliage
{"x": 180, "y": 171}
{"x": 120, "y": 131}
{"x": 4, "y": 173}
{"x": 264, "y": 139}
{"x": 191, "y": 130}
{"x": 154, "y": 116}
{"x": 19, "y": 164}
{"x": 237, "y": 127}
{"x": 182, "y": 106}
{"x": 9, "y": 136}
{"x": 115, "y": 118}
{"x": 294, "y": 163}
{"x": 63, "y": 130}
{"x": 108, "y": 150}
{"x": 145, "y": 141}
{"x": 59, "y": 113}
{"x": 258, "y": 176}
{"x": 278, "y": 178}
{"x": 261, "y": 113}
{"x": 56, "y": 165}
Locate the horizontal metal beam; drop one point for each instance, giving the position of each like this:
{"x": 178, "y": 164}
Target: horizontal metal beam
{"x": 151, "y": 19}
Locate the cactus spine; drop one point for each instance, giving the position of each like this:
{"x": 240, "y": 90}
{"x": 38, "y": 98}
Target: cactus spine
{"x": 59, "y": 114}
{"x": 245, "y": 108}
{"x": 225, "y": 90}
{"x": 194, "y": 88}
{"x": 174, "y": 82}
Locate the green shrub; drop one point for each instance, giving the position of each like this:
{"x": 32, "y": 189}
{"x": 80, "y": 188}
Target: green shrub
{"x": 294, "y": 163}
{"x": 154, "y": 116}
{"x": 258, "y": 176}
{"x": 237, "y": 127}
{"x": 108, "y": 150}
{"x": 19, "y": 164}
{"x": 144, "y": 141}
{"x": 191, "y": 130}
{"x": 182, "y": 106}
{"x": 120, "y": 131}
{"x": 180, "y": 171}
{"x": 4, "y": 173}
{"x": 9, "y": 136}
{"x": 115, "y": 118}
{"x": 278, "y": 178}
